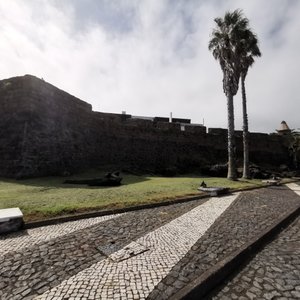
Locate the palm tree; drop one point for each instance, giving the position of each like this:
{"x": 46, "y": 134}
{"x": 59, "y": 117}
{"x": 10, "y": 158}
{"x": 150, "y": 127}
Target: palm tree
{"x": 225, "y": 45}
{"x": 250, "y": 50}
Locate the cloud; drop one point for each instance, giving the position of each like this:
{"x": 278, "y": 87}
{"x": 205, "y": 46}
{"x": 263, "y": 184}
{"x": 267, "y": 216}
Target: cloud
{"x": 150, "y": 57}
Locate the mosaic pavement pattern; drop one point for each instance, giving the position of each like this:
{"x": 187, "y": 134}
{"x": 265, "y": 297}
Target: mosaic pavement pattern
{"x": 19, "y": 240}
{"x": 156, "y": 253}
{"x": 145, "y": 254}
{"x": 274, "y": 273}
{"x": 35, "y": 269}
{"x": 252, "y": 212}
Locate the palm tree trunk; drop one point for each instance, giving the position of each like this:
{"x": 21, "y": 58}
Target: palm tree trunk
{"x": 231, "y": 139}
{"x": 246, "y": 170}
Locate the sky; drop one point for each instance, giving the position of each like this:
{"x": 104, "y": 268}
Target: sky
{"x": 150, "y": 57}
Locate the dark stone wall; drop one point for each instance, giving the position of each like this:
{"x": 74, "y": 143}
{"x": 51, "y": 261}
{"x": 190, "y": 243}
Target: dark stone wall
{"x": 46, "y": 131}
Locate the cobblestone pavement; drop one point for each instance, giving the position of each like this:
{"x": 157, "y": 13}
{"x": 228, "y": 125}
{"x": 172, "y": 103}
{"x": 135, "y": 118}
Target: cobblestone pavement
{"x": 274, "y": 273}
{"x": 135, "y": 277}
{"x": 153, "y": 252}
{"x": 33, "y": 270}
{"x": 251, "y": 213}
{"x": 19, "y": 240}
{"x": 295, "y": 187}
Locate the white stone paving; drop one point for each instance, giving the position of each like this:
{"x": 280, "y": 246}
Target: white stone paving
{"x": 19, "y": 240}
{"x": 294, "y": 187}
{"x": 136, "y": 277}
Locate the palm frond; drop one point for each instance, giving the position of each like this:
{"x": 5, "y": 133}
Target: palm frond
{"x": 234, "y": 45}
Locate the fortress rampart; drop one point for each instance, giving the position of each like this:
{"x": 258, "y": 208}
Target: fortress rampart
{"x": 46, "y": 131}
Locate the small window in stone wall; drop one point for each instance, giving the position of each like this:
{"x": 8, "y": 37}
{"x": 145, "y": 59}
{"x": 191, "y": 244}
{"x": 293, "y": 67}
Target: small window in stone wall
{"x": 182, "y": 127}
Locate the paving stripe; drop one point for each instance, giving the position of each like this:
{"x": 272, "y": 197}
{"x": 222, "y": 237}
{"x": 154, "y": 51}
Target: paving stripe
{"x": 22, "y": 239}
{"x": 294, "y": 187}
{"x": 122, "y": 276}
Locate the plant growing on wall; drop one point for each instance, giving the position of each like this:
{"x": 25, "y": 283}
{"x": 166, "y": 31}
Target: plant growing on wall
{"x": 294, "y": 148}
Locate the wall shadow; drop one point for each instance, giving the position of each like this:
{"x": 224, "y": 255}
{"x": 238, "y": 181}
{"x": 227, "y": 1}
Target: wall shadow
{"x": 53, "y": 182}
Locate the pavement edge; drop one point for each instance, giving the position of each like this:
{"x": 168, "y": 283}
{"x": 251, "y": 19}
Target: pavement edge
{"x": 93, "y": 214}
{"x": 218, "y": 273}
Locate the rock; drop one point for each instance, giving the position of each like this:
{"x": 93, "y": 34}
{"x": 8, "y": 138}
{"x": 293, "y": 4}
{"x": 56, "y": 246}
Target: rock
{"x": 283, "y": 168}
{"x": 257, "y": 173}
{"x": 109, "y": 179}
{"x": 214, "y": 191}
{"x": 218, "y": 170}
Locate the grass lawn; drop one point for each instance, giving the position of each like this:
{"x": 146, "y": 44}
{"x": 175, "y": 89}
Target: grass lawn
{"x": 48, "y": 197}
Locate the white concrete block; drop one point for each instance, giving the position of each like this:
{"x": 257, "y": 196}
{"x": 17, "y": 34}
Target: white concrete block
{"x": 11, "y": 219}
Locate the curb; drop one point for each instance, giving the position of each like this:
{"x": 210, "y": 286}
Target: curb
{"x": 100, "y": 213}
{"x": 210, "y": 279}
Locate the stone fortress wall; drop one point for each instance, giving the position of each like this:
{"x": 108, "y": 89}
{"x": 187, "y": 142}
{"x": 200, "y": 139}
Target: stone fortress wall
{"x": 46, "y": 131}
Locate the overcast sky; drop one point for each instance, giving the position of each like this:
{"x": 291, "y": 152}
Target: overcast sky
{"x": 150, "y": 57}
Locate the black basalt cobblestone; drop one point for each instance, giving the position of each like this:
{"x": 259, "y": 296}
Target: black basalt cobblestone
{"x": 251, "y": 213}
{"x": 31, "y": 271}
{"x": 274, "y": 273}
